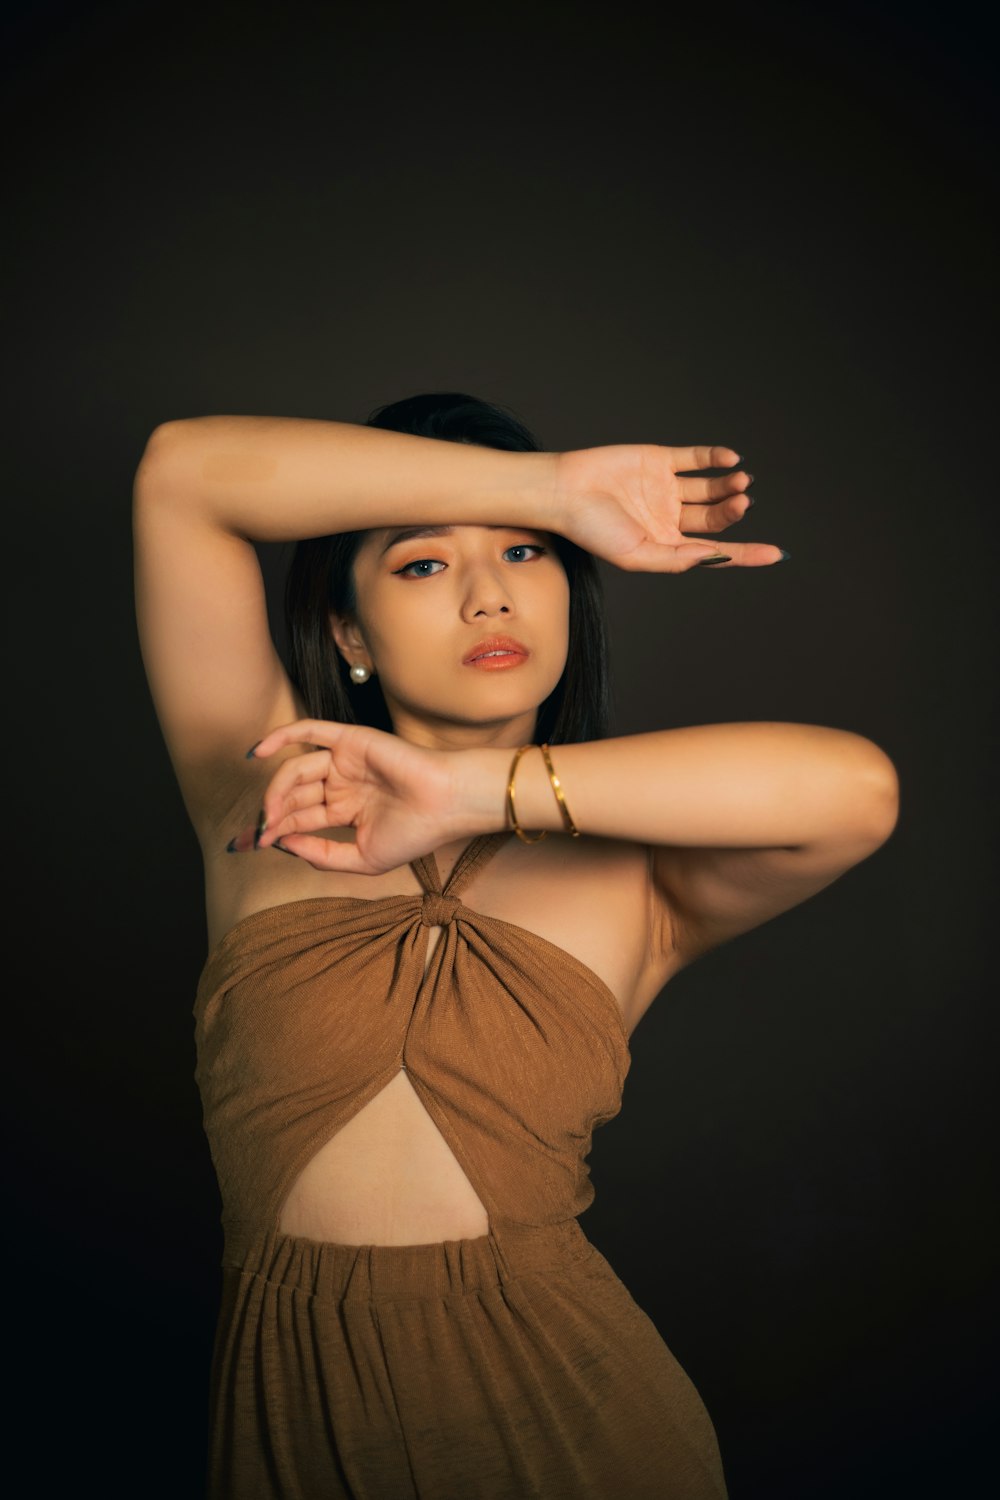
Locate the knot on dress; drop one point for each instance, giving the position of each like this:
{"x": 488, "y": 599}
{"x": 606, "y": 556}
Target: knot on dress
{"x": 438, "y": 910}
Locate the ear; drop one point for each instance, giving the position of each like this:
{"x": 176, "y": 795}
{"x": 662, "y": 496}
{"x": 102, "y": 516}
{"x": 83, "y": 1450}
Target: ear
{"x": 350, "y": 642}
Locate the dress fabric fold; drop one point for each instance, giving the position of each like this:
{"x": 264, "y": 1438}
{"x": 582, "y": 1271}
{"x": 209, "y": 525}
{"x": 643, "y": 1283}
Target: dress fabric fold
{"x": 507, "y": 1366}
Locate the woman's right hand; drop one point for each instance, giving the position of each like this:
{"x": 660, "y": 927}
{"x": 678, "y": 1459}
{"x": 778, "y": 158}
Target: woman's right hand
{"x": 400, "y": 798}
{"x": 634, "y": 505}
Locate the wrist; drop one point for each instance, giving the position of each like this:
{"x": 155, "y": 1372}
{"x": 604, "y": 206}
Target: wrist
{"x": 536, "y": 501}
{"x": 479, "y": 789}
{"x": 480, "y": 782}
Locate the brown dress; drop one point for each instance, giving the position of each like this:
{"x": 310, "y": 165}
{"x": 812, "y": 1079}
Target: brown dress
{"x": 508, "y": 1366}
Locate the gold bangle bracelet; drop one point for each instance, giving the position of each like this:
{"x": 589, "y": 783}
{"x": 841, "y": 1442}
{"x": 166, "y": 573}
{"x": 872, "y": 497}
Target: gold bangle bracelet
{"x": 526, "y": 838}
{"x": 571, "y": 827}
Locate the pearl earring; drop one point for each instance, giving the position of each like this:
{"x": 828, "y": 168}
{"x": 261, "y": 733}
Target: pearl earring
{"x": 359, "y": 672}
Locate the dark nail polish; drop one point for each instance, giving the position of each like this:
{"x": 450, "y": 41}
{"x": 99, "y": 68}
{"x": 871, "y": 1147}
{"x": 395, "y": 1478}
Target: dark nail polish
{"x": 231, "y": 847}
{"x": 260, "y": 829}
{"x": 710, "y": 562}
{"x": 784, "y": 555}
{"x": 249, "y": 754}
{"x": 282, "y": 850}
{"x": 750, "y": 502}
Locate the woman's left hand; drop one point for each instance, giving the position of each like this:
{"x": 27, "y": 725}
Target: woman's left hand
{"x": 399, "y": 798}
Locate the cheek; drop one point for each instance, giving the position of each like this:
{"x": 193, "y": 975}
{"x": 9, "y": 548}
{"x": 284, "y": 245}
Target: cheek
{"x": 406, "y": 624}
{"x": 552, "y": 616}
{"x": 559, "y": 605}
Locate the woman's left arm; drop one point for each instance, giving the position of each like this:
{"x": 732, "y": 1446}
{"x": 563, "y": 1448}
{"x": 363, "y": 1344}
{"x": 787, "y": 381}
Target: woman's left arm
{"x": 742, "y": 820}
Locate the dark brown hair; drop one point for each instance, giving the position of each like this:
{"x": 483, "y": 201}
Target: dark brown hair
{"x": 320, "y": 579}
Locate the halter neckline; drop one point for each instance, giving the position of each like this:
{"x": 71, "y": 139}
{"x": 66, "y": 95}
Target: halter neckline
{"x": 476, "y": 853}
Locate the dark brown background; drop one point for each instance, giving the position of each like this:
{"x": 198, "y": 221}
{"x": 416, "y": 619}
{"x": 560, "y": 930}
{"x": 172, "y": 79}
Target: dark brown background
{"x": 765, "y": 227}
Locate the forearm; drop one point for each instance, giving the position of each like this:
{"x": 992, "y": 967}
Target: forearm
{"x": 275, "y": 479}
{"x": 752, "y": 785}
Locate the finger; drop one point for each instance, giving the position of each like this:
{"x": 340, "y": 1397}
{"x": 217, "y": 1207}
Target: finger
{"x": 715, "y": 457}
{"x": 242, "y": 842}
{"x": 714, "y": 517}
{"x": 745, "y": 555}
{"x": 288, "y": 787}
{"x": 312, "y": 798}
{"x": 328, "y": 854}
{"x": 305, "y": 820}
{"x": 656, "y": 557}
{"x": 310, "y": 794}
{"x": 714, "y": 489}
{"x": 302, "y": 732}
{"x": 298, "y": 771}
{"x": 664, "y": 557}
{"x": 261, "y": 834}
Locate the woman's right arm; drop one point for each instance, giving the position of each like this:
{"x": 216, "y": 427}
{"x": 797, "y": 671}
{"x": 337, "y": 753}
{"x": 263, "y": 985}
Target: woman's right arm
{"x": 206, "y": 489}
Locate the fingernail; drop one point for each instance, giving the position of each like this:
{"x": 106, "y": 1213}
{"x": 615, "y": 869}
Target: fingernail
{"x": 750, "y": 501}
{"x": 282, "y": 850}
{"x": 249, "y": 754}
{"x": 260, "y": 829}
{"x": 709, "y": 562}
{"x": 231, "y": 847}
{"x": 784, "y": 555}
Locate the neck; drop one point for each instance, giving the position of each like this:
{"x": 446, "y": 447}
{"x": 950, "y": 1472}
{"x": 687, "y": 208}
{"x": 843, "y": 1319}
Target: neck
{"x": 450, "y": 736}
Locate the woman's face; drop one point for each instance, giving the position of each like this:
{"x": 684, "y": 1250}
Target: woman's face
{"x": 425, "y": 602}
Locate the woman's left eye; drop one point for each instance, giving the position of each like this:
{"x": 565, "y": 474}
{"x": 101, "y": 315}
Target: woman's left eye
{"x": 421, "y": 562}
{"x": 524, "y": 547}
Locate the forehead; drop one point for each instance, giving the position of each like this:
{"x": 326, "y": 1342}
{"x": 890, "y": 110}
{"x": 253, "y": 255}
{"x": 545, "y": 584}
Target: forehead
{"x": 383, "y": 538}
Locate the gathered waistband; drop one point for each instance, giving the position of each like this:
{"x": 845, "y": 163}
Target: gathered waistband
{"x": 364, "y": 1272}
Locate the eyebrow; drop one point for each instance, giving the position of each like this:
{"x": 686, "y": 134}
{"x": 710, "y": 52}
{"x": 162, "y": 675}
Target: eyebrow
{"x": 415, "y": 531}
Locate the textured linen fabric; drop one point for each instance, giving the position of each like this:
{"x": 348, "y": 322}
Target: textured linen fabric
{"x": 507, "y": 1366}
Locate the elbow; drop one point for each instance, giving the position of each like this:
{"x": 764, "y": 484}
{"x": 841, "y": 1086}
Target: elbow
{"x": 878, "y": 795}
{"x": 161, "y": 440}
{"x": 149, "y": 478}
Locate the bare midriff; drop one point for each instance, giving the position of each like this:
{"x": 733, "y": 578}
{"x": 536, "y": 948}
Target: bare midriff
{"x": 388, "y": 1177}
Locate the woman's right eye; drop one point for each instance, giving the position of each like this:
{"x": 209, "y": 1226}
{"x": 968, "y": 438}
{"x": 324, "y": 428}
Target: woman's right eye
{"x": 421, "y": 562}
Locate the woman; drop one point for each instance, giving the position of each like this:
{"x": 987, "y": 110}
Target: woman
{"x": 407, "y": 1031}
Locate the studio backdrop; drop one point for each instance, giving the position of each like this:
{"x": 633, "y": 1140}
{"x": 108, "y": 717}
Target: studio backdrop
{"x": 764, "y": 227}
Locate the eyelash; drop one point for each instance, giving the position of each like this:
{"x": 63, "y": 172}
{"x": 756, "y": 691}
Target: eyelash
{"x": 401, "y": 572}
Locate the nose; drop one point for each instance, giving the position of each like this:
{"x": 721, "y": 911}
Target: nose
{"x": 486, "y": 595}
